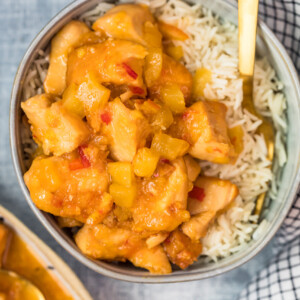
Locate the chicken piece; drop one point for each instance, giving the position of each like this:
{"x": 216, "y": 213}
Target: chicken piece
{"x": 181, "y": 250}
{"x": 203, "y": 125}
{"x": 125, "y": 22}
{"x": 5, "y": 236}
{"x": 57, "y": 130}
{"x": 156, "y": 239}
{"x": 61, "y": 45}
{"x": 192, "y": 167}
{"x": 113, "y": 61}
{"x": 209, "y": 196}
{"x": 197, "y": 226}
{"x": 72, "y": 186}
{"x": 172, "y": 73}
{"x": 217, "y": 194}
{"x": 102, "y": 242}
{"x": 162, "y": 199}
{"x": 126, "y": 130}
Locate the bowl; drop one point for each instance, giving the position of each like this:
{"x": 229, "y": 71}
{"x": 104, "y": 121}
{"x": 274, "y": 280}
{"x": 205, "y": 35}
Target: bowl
{"x": 267, "y": 44}
{"x": 48, "y": 259}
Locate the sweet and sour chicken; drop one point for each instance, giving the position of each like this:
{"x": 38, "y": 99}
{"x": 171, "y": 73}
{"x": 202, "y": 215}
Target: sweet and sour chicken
{"x": 120, "y": 129}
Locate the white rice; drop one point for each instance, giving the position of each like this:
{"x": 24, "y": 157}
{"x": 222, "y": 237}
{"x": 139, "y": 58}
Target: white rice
{"x": 213, "y": 45}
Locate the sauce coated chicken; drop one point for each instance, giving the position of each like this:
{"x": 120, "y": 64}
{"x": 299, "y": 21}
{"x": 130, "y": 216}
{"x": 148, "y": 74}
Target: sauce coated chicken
{"x": 119, "y": 131}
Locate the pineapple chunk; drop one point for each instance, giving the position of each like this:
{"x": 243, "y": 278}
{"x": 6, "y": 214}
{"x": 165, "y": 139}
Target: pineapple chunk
{"x": 175, "y": 52}
{"x": 125, "y": 22}
{"x": 113, "y": 61}
{"x": 153, "y": 65}
{"x": 145, "y": 161}
{"x": 181, "y": 250}
{"x": 201, "y": 78}
{"x": 172, "y": 96}
{"x": 71, "y": 102}
{"x": 204, "y": 126}
{"x": 217, "y": 194}
{"x": 172, "y": 73}
{"x": 5, "y": 238}
{"x": 126, "y": 132}
{"x": 94, "y": 97}
{"x": 159, "y": 115}
{"x": 123, "y": 196}
{"x": 121, "y": 173}
{"x": 152, "y": 35}
{"x": 169, "y": 147}
{"x": 61, "y": 45}
{"x": 171, "y": 32}
{"x": 57, "y": 130}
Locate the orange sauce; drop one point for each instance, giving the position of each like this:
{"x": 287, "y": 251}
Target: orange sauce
{"x": 21, "y": 260}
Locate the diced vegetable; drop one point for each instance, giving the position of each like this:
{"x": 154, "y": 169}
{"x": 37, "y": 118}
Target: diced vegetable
{"x": 197, "y": 193}
{"x": 172, "y": 32}
{"x": 76, "y": 164}
{"x": 84, "y": 159}
{"x": 169, "y": 147}
{"x": 153, "y": 65}
{"x": 173, "y": 98}
{"x": 130, "y": 71}
{"x": 201, "y": 78}
{"x": 121, "y": 173}
{"x": 145, "y": 161}
{"x": 175, "y": 52}
{"x": 71, "y": 101}
{"x": 122, "y": 195}
{"x": 106, "y": 118}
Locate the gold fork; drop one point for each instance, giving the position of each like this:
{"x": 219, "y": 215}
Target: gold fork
{"x": 247, "y": 12}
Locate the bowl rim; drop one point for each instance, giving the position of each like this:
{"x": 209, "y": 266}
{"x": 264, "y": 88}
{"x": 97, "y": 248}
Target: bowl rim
{"x": 104, "y": 268}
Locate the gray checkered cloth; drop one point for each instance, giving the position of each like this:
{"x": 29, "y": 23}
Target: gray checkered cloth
{"x": 280, "y": 280}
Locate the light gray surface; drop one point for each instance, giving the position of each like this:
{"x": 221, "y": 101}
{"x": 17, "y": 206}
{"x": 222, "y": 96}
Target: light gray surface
{"x": 20, "y": 21}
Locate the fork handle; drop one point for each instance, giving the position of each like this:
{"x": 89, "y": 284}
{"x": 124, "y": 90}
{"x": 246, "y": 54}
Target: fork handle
{"x": 247, "y": 10}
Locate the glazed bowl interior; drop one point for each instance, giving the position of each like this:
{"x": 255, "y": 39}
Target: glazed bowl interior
{"x": 267, "y": 45}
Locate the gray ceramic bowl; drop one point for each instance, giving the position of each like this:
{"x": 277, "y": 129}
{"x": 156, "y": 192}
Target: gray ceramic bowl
{"x": 267, "y": 45}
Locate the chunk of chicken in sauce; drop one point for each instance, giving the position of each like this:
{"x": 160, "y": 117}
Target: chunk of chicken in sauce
{"x": 126, "y": 22}
{"x": 125, "y": 129}
{"x": 162, "y": 199}
{"x": 209, "y": 196}
{"x": 107, "y": 243}
{"x": 113, "y": 61}
{"x": 181, "y": 250}
{"x": 204, "y": 126}
{"x": 72, "y": 186}
{"x": 53, "y": 127}
{"x": 172, "y": 73}
{"x": 61, "y": 45}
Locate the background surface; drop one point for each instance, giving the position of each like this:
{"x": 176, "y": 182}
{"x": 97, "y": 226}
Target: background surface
{"x": 20, "y": 21}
